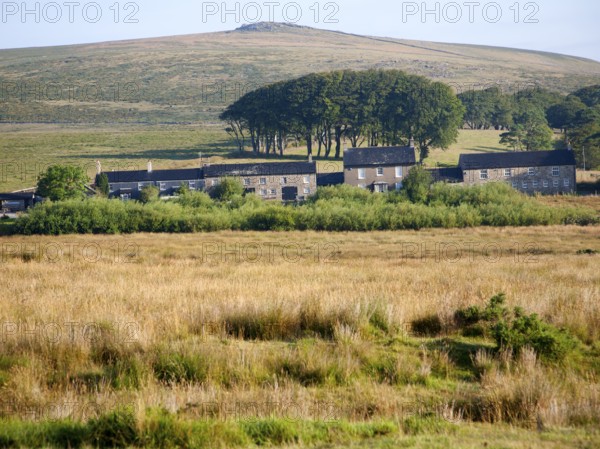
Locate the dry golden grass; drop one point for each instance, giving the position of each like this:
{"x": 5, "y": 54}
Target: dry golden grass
{"x": 171, "y": 294}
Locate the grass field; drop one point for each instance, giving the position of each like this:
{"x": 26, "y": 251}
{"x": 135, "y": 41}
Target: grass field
{"x": 320, "y": 326}
{"x": 27, "y": 150}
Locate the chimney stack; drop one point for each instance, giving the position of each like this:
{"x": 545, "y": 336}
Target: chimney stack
{"x": 310, "y": 158}
{"x": 149, "y": 166}
{"x": 98, "y": 167}
{"x": 411, "y": 143}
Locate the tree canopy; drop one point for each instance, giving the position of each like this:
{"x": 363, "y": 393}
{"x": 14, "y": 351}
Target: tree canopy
{"x": 375, "y": 106}
{"x": 62, "y": 182}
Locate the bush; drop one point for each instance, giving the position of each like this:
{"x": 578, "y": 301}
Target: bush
{"x": 227, "y": 189}
{"x": 271, "y": 432}
{"x": 115, "y": 429}
{"x": 178, "y": 368}
{"x": 148, "y": 194}
{"x": 429, "y": 326}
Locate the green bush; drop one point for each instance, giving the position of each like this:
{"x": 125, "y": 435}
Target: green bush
{"x": 178, "y": 368}
{"x": 117, "y": 429}
{"x": 271, "y": 432}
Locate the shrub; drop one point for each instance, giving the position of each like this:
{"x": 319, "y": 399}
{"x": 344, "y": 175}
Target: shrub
{"x": 227, "y": 189}
{"x": 177, "y": 368}
{"x": 115, "y": 429}
{"x": 430, "y": 326}
{"x": 149, "y": 193}
{"x": 271, "y": 432}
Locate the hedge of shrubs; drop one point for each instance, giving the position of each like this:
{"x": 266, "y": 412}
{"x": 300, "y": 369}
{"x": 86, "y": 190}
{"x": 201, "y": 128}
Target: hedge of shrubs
{"x": 340, "y": 208}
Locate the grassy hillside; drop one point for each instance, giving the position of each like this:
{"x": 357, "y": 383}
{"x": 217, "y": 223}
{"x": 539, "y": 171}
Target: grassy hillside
{"x": 177, "y": 79}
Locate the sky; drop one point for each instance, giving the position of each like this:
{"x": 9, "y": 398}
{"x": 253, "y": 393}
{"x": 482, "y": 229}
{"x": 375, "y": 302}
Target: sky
{"x": 570, "y": 27}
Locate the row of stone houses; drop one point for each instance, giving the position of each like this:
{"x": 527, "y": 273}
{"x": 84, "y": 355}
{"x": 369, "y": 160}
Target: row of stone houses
{"x": 282, "y": 181}
{"x": 379, "y": 169}
{"x": 546, "y": 172}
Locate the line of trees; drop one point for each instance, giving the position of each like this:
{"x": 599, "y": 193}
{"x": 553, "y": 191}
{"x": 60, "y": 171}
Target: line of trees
{"x": 375, "y": 107}
{"x": 529, "y": 116}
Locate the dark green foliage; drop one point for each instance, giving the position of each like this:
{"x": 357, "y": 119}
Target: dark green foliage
{"x": 149, "y": 193}
{"x": 429, "y": 326}
{"x": 227, "y": 189}
{"x": 62, "y": 182}
{"x": 417, "y": 183}
{"x": 340, "y": 208}
{"x": 550, "y": 343}
{"x": 516, "y": 330}
{"x": 380, "y": 106}
{"x": 102, "y": 185}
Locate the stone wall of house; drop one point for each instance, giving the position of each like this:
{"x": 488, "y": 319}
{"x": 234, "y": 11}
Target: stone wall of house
{"x": 270, "y": 187}
{"x": 542, "y": 179}
{"x": 351, "y": 177}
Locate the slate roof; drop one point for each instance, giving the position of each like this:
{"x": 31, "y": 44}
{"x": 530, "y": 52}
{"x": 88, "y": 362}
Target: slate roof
{"x": 330, "y": 179}
{"x": 190, "y": 174}
{"x": 516, "y": 159}
{"x": 263, "y": 169}
{"x": 379, "y": 156}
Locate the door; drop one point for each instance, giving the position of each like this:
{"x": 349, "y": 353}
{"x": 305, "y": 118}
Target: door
{"x": 290, "y": 193}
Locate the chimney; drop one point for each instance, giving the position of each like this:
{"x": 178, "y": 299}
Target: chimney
{"x": 149, "y": 166}
{"x": 98, "y": 167}
{"x": 411, "y": 143}
{"x": 310, "y": 159}
{"x": 200, "y": 156}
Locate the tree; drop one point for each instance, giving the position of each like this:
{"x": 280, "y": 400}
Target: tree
{"x": 589, "y": 95}
{"x": 417, "y": 183}
{"x": 62, "y": 182}
{"x": 227, "y": 189}
{"x": 563, "y": 115}
{"x": 102, "y": 186}
{"x": 149, "y": 193}
{"x": 531, "y": 131}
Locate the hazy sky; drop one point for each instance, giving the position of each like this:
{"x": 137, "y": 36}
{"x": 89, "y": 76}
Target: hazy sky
{"x": 570, "y": 27}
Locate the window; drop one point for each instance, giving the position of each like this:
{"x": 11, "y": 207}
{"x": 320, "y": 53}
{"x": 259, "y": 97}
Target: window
{"x": 307, "y": 190}
{"x": 273, "y": 192}
{"x": 515, "y": 184}
{"x": 111, "y": 187}
{"x": 531, "y": 171}
{"x": 555, "y": 171}
{"x": 483, "y": 174}
{"x": 545, "y": 183}
{"x": 125, "y": 197}
{"x": 567, "y": 183}
{"x": 535, "y": 184}
{"x": 214, "y": 182}
{"x": 380, "y": 188}
{"x": 379, "y": 171}
{"x": 398, "y": 185}
{"x": 507, "y": 172}
{"x": 307, "y": 180}
{"x": 263, "y": 192}
{"x": 362, "y": 173}
{"x": 247, "y": 181}
{"x": 555, "y": 183}
{"x": 398, "y": 172}
{"x": 162, "y": 186}
{"x": 525, "y": 185}
{"x": 141, "y": 185}
{"x": 192, "y": 185}
{"x": 284, "y": 181}
{"x": 263, "y": 181}
{"x": 362, "y": 186}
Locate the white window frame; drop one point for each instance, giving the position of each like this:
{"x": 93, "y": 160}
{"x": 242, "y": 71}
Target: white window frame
{"x": 380, "y": 188}
{"x": 515, "y": 184}
{"x": 531, "y": 171}
{"x": 284, "y": 181}
{"x": 399, "y": 172}
{"x": 545, "y": 183}
{"x": 263, "y": 181}
{"x": 555, "y": 183}
{"x": 555, "y": 171}
{"x": 525, "y": 185}
{"x": 380, "y": 171}
{"x": 247, "y": 181}
{"x": 507, "y": 172}
{"x": 272, "y": 192}
{"x": 307, "y": 190}
{"x": 192, "y": 185}
{"x": 535, "y": 184}
{"x": 398, "y": 186}
{"x": 263, "y": 192}
{"x": 567, "y": 182}
{"x": 162, "y": 186}
{"x": 306, "y": 179}
{"x": 362, "y": 173}
{"x": 484, "y": 174}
